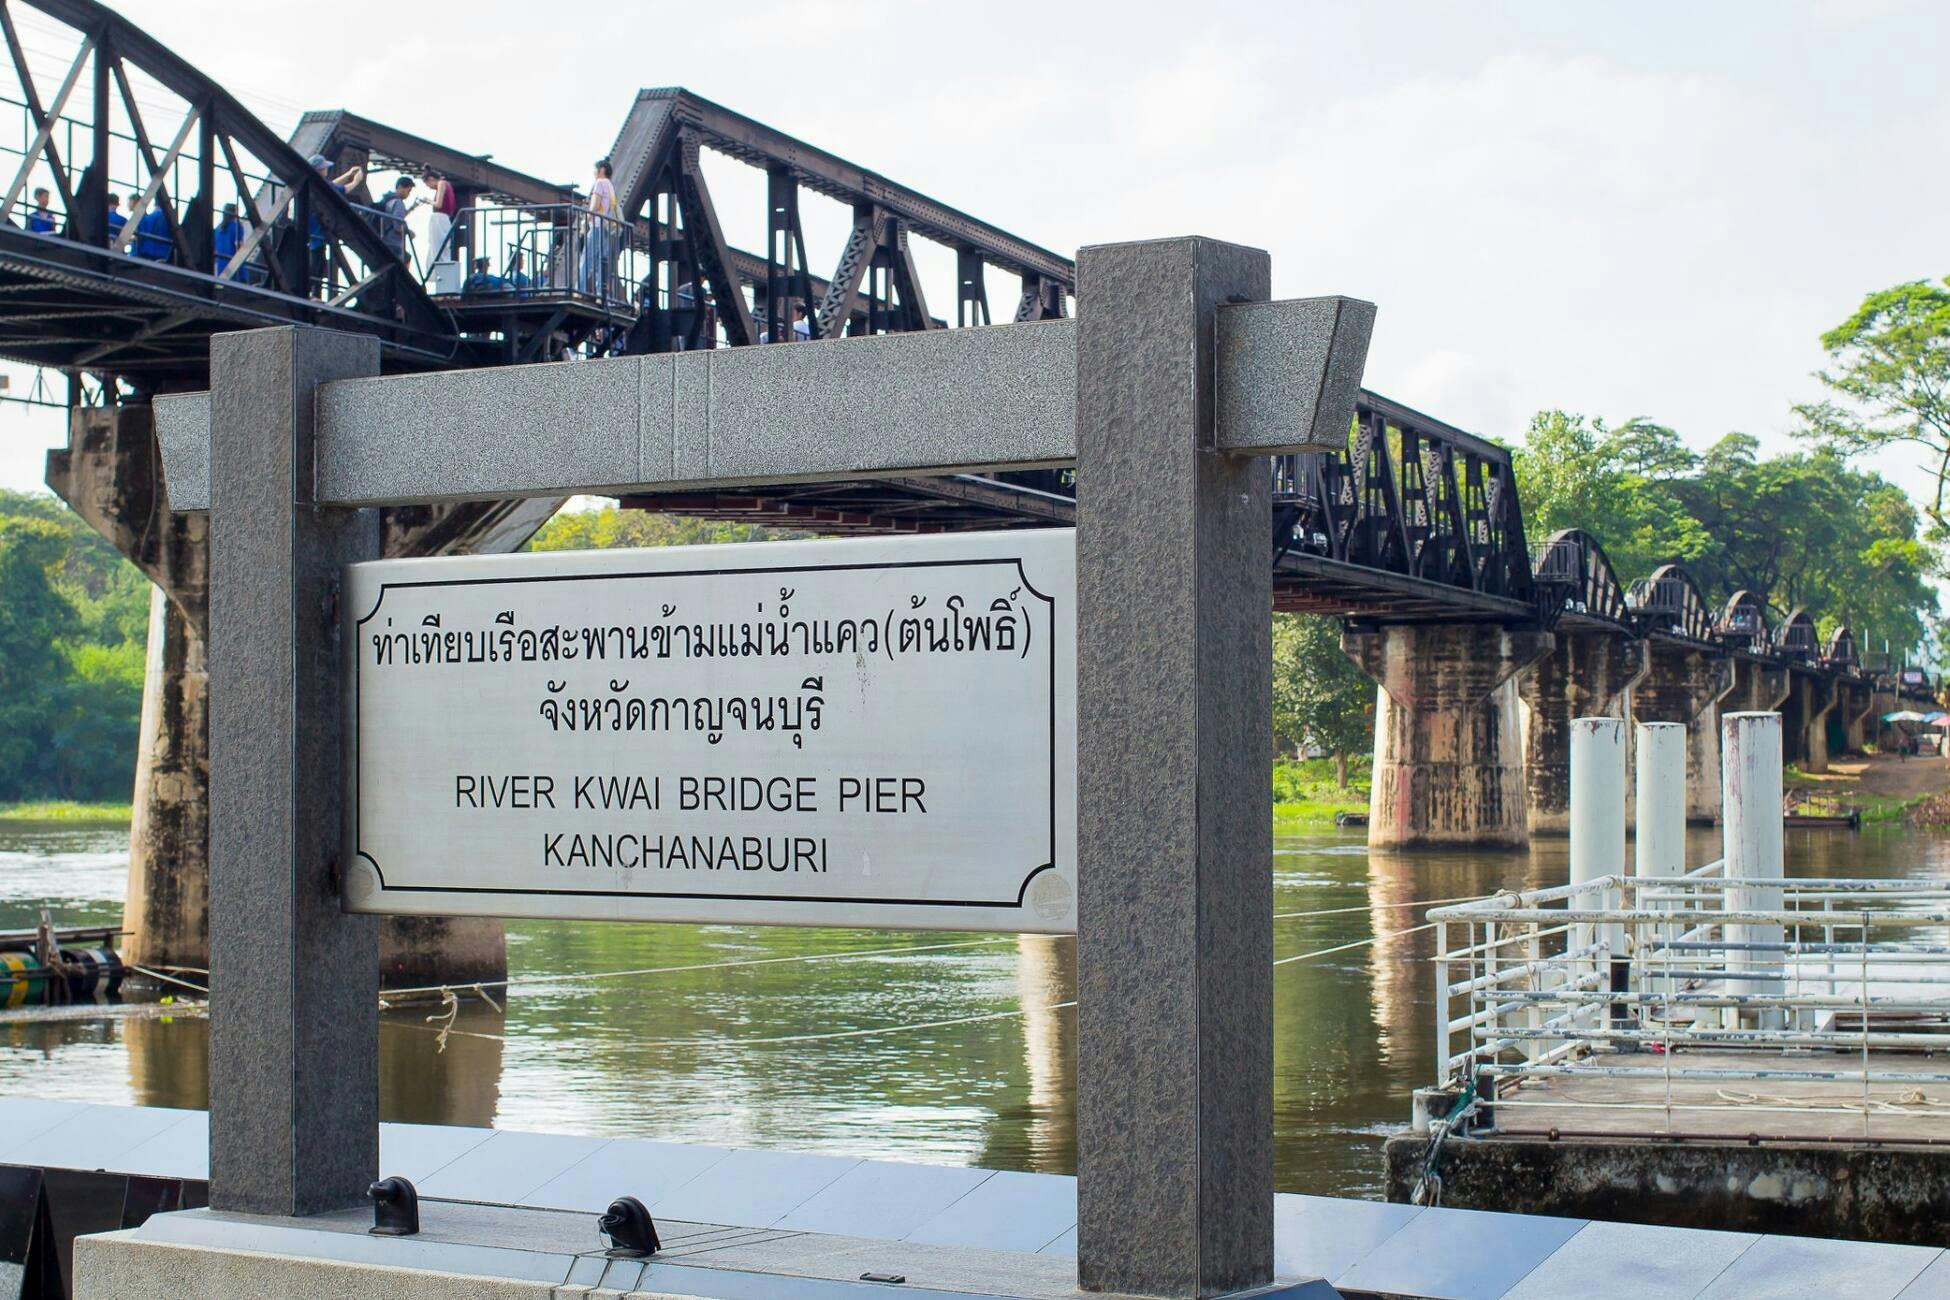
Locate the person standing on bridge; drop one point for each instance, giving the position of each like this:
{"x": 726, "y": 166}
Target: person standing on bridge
{"x": 229, "y": 237}
{"x": 343, "y": 183}
{"x": 41, "y": 219}
{"x": 596, "y": 237}
{"x": 153, "y": 239}
{"x": 392, "y": 216}
{"x": 443, "y": 234}
{"x": 115, "y": 218}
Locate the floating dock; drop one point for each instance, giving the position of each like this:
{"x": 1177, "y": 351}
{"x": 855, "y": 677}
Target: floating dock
{"x": 1704, "y": 1050}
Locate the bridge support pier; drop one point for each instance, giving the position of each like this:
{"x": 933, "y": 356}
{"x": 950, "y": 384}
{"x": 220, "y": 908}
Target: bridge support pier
{"x": 110, "y": 474}
{"x": 1682, "y": 684}
{"x": 1448, "y": 747}
{"x": 1754, "y": 687}
{"x": 1818, "y": 697}
{"x": 1858, "y": 703}
{"x": 1586, "y": 675}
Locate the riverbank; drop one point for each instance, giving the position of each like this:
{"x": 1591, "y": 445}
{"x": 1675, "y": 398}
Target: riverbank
{"x": 64, "y": 811}
{"x": 1307, "y": 794}
{"x": 1887, "y": 788}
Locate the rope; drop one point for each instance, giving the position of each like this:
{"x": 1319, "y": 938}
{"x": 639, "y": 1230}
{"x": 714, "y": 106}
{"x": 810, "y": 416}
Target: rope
{"x": 167, "y": 979}
{"x": 1358, "y": 943}
{"x": 451, "y": 1007}
{"x": 581, "y": 976}
{"x": 1428, "y": 1186}
{"x": 1369, "y": 907}
{"x": 1868, "y": 1106}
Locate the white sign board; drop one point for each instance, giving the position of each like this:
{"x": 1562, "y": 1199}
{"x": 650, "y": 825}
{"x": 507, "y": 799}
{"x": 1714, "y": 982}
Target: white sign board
{"x": 862, "y": 733}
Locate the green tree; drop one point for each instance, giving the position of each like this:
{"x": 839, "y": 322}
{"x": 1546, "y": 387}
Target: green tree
{"x": 1808, "y": 530}
{"x": 1320, "y": 699}
{"x": 607, "y": 526}
{"x": 96, "y": 721}
{"x": 1615, "y": 484}
{"x": 74, "y": 620}
{"x": 1805, "y": 529}
{"x": 1890, "y": 366}
{"x": 34, "y": 619}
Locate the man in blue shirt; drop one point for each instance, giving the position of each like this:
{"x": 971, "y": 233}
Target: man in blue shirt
{"x": 115, "y": 218}
{"x": 41, "y": 220}
{"x": 152, "y": 238}
{"x": 482, "y": 282}
{"x": 343, "y": 183}
{"x": 228, "y": 239}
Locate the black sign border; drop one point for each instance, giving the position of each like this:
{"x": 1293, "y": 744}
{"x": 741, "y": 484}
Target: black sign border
{"x": 358, "y": 665}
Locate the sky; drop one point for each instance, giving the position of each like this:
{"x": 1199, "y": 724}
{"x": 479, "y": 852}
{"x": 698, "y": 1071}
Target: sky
{"x": 1651, "y": 209}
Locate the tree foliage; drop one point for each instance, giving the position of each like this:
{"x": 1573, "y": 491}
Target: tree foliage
{"x": 73, "y": 628}
{"x": 1890, "y": 368}
{"x": 1579, "y": 473}
{"x": 1803, "y": 529}
{"x": 607, "y": 526}
{"x": 1321, "y": 701}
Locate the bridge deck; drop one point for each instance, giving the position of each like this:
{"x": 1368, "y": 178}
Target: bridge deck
{"x": 71, "y": 305}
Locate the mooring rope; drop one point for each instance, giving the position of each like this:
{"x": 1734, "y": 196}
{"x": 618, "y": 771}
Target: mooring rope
{"x": 574, "y": 977}
{"x": 167, "y": 979}
{"x": 1369, "y": 907}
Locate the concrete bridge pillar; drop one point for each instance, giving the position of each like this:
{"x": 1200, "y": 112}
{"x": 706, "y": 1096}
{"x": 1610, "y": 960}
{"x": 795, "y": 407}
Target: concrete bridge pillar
{"x": 1758, "y": 688}
{"x": 1683, "y": 684}
{"x": 110, "y": 474}
{"x": 1585, "y": 675}
{"x": 1448, "y": 748}
{"x": 1819, "y": 696}
{"x": 1858, "y": 704}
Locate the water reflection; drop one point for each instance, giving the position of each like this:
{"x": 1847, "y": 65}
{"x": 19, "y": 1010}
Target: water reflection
{"x": 757, "y": 1037}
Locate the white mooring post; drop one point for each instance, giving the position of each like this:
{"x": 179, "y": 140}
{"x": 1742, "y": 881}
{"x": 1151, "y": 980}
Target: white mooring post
{"x": 1659, "y": 839}
{"x": 1750, "y": 793}
{"x": 1598, "y": 829}
{"x": 1659, "y": 833}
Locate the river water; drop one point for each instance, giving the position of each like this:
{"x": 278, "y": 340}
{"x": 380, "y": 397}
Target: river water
{"x": 940, "y": 1048}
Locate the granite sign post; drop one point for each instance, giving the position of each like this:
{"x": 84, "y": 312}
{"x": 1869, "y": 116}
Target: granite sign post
{"x": 1167, "y": 395}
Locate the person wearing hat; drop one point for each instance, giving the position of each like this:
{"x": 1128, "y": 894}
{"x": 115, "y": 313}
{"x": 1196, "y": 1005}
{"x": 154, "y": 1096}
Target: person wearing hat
{"x": 344, "y": 182}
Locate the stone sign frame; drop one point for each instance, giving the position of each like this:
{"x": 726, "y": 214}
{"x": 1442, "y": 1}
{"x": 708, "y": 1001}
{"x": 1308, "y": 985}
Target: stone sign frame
{"x": 1174, "y": 382}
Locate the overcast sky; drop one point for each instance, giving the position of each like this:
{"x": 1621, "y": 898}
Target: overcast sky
{"x": 1647, "y": 209}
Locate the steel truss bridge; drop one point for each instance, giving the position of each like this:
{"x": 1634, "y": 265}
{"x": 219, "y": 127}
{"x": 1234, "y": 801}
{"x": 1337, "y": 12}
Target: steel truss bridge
{"x": 1414, "y": 521}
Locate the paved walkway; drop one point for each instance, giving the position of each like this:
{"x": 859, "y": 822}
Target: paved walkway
{"x": 1361, "y": 1246}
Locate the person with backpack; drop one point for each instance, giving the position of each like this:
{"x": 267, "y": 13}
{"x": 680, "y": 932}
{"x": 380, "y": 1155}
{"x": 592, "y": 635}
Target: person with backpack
{"x": 392, "y": 216}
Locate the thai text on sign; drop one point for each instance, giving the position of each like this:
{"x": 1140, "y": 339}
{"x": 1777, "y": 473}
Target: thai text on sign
{"x": 877, "y": 732}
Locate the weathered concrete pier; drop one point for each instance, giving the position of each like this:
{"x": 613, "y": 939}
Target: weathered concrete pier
{"x": 1448, "y": 745}
{"x": 1457, "y": 765}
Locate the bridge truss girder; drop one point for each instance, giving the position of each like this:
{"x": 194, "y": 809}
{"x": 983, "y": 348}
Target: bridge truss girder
{"x": 149, "y": 319}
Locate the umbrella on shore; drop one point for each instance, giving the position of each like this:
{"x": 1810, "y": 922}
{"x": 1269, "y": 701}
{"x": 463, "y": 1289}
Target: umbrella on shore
{"x": 1907, "y": 715}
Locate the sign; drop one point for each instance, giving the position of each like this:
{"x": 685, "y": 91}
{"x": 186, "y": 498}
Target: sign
{"x": 878, "y": 732}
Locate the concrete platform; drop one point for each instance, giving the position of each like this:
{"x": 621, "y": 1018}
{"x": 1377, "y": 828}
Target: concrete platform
{"x": 722, "y": 1208}
{"x": 489, "y": 1251}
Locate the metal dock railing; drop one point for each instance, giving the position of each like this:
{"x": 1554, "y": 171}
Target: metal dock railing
{"x": 1670, "y": 1003}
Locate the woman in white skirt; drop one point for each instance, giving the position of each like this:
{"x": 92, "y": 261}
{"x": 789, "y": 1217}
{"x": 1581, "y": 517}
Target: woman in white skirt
{"x": 442, "y": 238}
